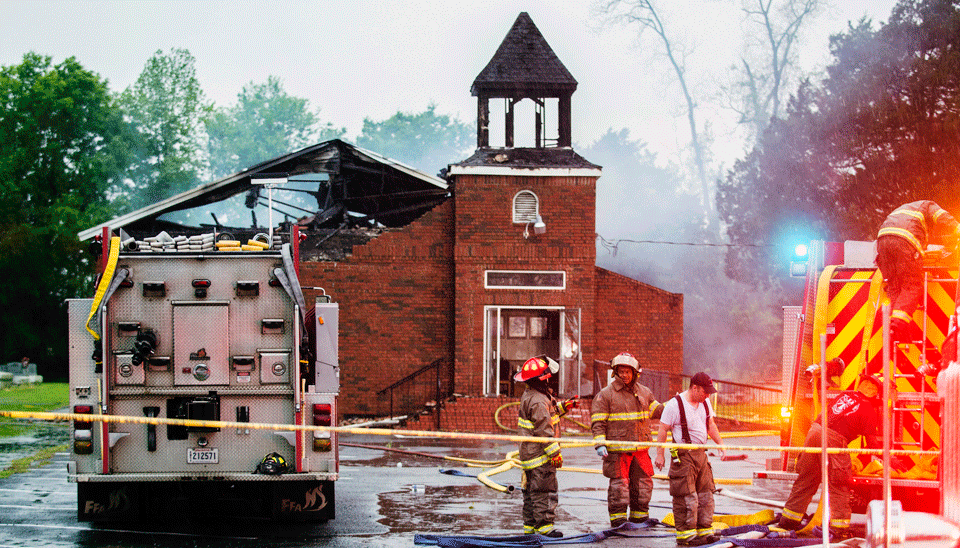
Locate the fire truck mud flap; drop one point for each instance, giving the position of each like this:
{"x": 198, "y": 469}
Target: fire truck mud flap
{"x": 286, "y": 500}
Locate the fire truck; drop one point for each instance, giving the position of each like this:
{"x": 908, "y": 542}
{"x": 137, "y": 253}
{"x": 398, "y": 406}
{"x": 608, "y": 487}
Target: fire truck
{"x": 842, "y": 305}
{"x": 189, "y": 329}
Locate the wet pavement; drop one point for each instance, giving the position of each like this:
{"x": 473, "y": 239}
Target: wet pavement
{"x": 383, "y": 498}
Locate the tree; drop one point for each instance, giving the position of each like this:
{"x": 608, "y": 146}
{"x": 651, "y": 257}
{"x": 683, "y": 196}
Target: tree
{"x": 762, "y": 83}
{"x": 425, "y": 140}
{"x": 58, "y": 129}
{"x": 879, "y": 131}
{"x": 643, "y": 13}
{"x": 167, "y": 108}
{"x": 264, "y": 123}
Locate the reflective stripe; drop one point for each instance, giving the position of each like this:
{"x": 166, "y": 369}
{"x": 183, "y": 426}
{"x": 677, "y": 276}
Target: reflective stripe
{"x": 528, "y": 529}
{"x": 633, "y": 416}
{"x": 524, "y": 423}
{"x": 534, "y": 462}
{"x": 902, "y": 233}
{"x": 544, "y": 529}
{"x": 552, "y": 449}
{"x": 900, "y": 314}
{"x": 554, "y": 419}
{"x": 638, "y": 515}
{"x": 686, "y": 535}
{"x": 618, "y": 515}
{"x": 704, "y": 532}
{"x": 790, "y": 514}
{"x": 601, "y": 438}
{"x": 839, "y": 523}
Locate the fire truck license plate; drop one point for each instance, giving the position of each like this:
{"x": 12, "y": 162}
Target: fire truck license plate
{"x": 203, "y": 456}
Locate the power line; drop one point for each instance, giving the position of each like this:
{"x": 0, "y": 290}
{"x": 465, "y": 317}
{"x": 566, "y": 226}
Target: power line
{"x": 612, "y": 245}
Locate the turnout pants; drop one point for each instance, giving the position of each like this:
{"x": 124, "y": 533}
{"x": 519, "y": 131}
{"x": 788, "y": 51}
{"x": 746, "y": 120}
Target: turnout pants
{"x": 809, "y": 478}
{"x": 691, "y": 486}
{"x": 902, "y": 266}
{"x": 631, "y": 486}
{"x": 539, "y": 499}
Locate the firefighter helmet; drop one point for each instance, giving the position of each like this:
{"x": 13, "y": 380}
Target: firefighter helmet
{"x": 625, "y": 358}
{"x": 540, "y": 367}
{"x": 272, "y": 464}
{"x": 871, "y": 386}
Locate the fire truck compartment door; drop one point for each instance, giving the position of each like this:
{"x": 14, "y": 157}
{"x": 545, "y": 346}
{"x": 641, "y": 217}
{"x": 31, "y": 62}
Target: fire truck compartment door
{"x": 201, "y": 343}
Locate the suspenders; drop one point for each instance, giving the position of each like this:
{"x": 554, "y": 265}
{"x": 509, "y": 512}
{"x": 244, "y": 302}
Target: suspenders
{"x": 683, "y": 418}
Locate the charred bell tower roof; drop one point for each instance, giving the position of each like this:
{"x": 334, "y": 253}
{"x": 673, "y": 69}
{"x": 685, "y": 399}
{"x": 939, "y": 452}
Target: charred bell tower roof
{"x": 524, "y": 67}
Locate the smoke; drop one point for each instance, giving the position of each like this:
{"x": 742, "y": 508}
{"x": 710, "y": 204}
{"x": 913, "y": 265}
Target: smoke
{"x": 654, "y": 231}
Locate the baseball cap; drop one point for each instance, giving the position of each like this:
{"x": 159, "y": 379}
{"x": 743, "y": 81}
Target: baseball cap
{"x": 704, "y": 380}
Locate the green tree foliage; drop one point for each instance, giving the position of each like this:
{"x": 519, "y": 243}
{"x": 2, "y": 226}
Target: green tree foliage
{"x": 263, "y": 124}
{"x": 879, "y": 131}
{"x": 167, "y": 108}
{"x": 58, "y": 129}
{"x": 425, "y": 140}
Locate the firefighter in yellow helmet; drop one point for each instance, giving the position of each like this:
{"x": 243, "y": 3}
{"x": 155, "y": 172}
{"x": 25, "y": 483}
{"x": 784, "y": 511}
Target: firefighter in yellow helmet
{"x": 850, "y": 415}
{"x": 621, "y": 412}
{"x": 901, "y": 243}
{"x": 539, "y": 460}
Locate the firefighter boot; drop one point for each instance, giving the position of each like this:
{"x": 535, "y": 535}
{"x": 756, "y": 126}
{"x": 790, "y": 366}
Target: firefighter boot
{"x": 788, "y": 524}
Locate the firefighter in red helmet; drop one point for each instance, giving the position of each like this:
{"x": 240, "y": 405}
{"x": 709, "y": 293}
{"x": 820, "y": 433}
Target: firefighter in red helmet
{"x": 621, "y": 412}
{"x": 539, "y": 460}
{"x": 901, "y": 243}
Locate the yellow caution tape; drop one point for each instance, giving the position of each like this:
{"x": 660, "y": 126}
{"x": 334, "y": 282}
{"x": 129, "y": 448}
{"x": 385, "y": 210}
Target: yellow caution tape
{"x": 122, "y": 419}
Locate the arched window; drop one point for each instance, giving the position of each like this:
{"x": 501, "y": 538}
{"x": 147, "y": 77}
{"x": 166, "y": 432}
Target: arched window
{"x": 526, "y": 207}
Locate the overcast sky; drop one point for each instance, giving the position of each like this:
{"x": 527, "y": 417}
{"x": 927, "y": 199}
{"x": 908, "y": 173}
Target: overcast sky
{"x": 357, "y": 58}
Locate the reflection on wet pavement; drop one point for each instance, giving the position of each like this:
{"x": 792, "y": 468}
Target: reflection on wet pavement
{"x": 441, "y": 510}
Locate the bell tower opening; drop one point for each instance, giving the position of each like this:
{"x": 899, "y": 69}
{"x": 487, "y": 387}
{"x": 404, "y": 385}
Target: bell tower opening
{"x": 535, "y": 89}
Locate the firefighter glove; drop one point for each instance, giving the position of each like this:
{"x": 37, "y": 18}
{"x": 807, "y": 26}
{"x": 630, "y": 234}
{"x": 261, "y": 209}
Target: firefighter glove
{"x": 900, "y": 464}
{"x": 602, "y": 450}
{"x": 557, "y": 460}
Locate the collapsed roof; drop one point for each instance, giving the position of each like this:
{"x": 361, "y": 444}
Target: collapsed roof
{"x": 330, "y": 185}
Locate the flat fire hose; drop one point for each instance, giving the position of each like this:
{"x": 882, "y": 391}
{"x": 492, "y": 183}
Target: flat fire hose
{"x": 105, "y": 280}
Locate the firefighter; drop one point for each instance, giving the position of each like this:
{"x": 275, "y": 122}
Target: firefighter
{"x": 851, "y": 415}
{"x": 691, "y": 418}
{"x": 901, "y": 242}
{"x": 622, "y": 412}
{"x": 539, "y": 460}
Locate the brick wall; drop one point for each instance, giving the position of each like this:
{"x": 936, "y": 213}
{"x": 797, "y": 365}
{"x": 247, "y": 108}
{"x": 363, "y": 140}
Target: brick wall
{"x": 487, "y": 239}
{"x": 476, "y": 414}
{"x": 641, "y": 319}
{"x": 395, "y": 294}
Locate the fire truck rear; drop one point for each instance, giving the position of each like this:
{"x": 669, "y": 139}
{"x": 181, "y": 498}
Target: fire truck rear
{"x": 843, "y": 299}
{"x": 200, "y": 333}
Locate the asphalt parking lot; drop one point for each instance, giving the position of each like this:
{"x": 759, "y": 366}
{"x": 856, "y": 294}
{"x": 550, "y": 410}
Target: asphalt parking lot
{"x": 384, "y": 498}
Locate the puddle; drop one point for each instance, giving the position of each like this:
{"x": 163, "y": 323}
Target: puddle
{"x": 442, "y": 510}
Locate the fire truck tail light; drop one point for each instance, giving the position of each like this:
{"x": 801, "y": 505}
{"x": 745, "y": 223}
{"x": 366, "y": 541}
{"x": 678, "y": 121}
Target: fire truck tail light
{"x": 82, "y": 410}
{"x": 83, "y": 442}
{"x": 785, "y": 412}
{"x": 322, "y": 445}
{"x": 322, "y": 414}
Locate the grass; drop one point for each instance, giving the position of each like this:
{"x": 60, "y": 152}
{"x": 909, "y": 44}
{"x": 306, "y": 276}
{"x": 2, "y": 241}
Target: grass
{"x": 33, "y": 397}
{"x": 38, "y": 459}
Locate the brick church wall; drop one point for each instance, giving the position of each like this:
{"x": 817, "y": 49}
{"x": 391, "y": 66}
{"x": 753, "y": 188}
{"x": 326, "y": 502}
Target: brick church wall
{"x": 640, "y": 319}
{"x": 487, "y": 239}
{"x": 396, "y": 296}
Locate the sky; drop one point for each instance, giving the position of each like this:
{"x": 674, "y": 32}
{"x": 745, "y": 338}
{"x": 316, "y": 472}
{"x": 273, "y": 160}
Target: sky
{"x": 356, "y": 59}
